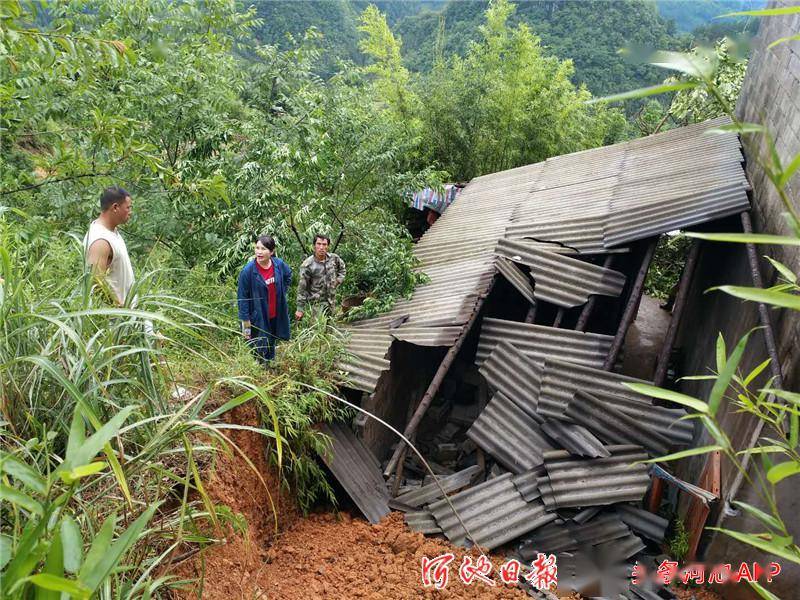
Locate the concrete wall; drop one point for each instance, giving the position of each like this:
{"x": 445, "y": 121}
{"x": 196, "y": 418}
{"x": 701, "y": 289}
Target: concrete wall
{"x": 770, "y": 96}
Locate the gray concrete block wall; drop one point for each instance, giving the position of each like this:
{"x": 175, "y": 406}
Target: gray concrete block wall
{"x": 771, "y": 97}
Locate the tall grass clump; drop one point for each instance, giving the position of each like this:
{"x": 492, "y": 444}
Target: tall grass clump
{"x": 101, "y": 460}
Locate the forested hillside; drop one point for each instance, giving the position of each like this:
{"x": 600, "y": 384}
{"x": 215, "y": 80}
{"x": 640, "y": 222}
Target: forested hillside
{"x": 589, "y": 32}
{"x": 691, "y": 14}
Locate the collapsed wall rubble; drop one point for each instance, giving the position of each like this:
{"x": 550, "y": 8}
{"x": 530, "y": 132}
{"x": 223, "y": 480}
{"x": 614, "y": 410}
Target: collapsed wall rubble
{"x": 538, "y": 441}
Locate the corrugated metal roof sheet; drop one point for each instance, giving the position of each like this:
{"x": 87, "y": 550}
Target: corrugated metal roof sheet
{"x": 494, "y": 512}
{"x": 516, "y": 278}
{"x": 509, "y": 435}
{"x": 614, "y": 426}
{"x": 603, "y": 528}
{"x": 422, "y": 522}
{"x": 619, "y": 549}
{"x": 539, "y": 341}
{"x": 559, "y": 279}
{"x": 527, "y": 483}
{"x": 594, "y": 481}
{"x": 363, "y": 370}
{"x": 550, "y": 538}
{"x": 561, "y": 380}
{"x": 427, "y": 336}
{"x": 643, "y": 521}
{"x": 588, "y": 200}
{"x": 432, "y": 491}
{"x": 575, "y": 439}
{"x": 357, "y": 469}
{"x": 509, "y": 371}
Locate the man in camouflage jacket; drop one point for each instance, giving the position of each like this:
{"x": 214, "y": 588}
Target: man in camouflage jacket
{"x": 320, "y": 275}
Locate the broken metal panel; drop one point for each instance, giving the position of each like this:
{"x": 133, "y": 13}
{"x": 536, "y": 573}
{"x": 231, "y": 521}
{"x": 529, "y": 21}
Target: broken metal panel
{"x": 619, "y": 549}
{"x": 563, "y": 281}
{"x": 540, "y": 341}
{"x": 643, "y": 521}
{"x": 574, "y": 438}
{"x": 357, "y": 469}
{"x": 561, "y": 380}
{"x": 614, "y": 426}
{"x": 572, "y": 482}
{"x": 550, "y": 538}
{"x": 516, "y": 278}
{"x": 422, "y": 522}
{"x": 517, "y": 377}
{"x": 509, "y": 435}
{"x": 427, "y": 336}
{"x": 603, "y": 528}
{"x": 527, "y": 484}
{"x": 432, "y": 491}
{"x": 494, "y": 512}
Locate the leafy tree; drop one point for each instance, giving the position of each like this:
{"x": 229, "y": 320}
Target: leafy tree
{"x": 506, "y": 103}
{"x": 699, "y": 103}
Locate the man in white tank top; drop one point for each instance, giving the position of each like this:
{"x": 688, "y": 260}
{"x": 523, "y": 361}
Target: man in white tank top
{"x": 106, "y": 252}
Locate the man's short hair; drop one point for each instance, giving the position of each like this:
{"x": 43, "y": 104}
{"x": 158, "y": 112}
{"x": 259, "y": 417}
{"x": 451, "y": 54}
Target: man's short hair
{"x": 267, "y": 241}
{"x": 321, "y": 236}
{"x": 112, "y": 195}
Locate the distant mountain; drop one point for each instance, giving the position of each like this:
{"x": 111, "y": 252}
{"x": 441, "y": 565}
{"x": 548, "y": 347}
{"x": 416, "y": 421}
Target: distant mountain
{"x": 590, "y": 32}
{"x": 691, "y": 14}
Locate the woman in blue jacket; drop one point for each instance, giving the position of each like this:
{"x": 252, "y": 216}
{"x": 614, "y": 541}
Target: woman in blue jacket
{"x": 263, "y": 309}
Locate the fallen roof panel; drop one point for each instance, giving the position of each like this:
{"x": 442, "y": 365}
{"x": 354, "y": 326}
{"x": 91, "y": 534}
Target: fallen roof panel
{"x": 509, "y": 435}
{"x": 561, "y": 280}
{"x": 560, "y": 381}
{"x": 517, "y": 377}
{"x": 422, "y": 522}
{"x": 494, "y": 512}
{"x": 432, "y": 491}
{"x": 363, "y": 370}
{"x": 574, "y": 438}
{"x": 357, "y": 469}
{"x": 539, "y": 341}
{"x": 643, "y": 521}
{"x": 614, "y": 426}
{"x": 572, "y": 482}
{"x": 516, "y": 278}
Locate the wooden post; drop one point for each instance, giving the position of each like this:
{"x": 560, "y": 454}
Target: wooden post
{"x": 677, "y": 312}
{"x": 427, "y": 398}
{"x": 586, "y": 312}
{"x": 630, "y": 308}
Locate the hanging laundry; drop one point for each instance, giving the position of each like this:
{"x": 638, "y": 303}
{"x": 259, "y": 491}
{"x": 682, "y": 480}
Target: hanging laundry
{"x": 437, "y": 200}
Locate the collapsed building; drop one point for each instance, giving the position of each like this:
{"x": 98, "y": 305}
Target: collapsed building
{"x": 505, "y": 369}
{"x": 508, "y": 369}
